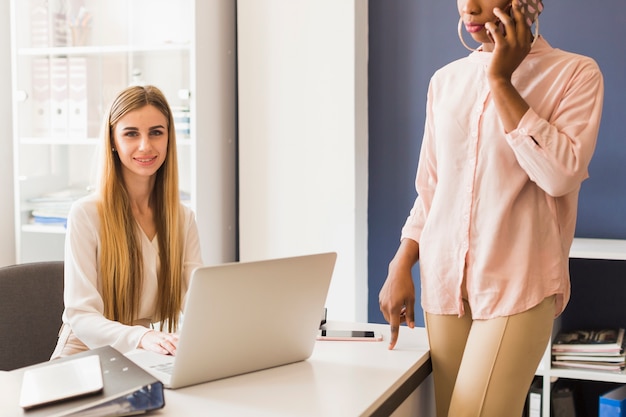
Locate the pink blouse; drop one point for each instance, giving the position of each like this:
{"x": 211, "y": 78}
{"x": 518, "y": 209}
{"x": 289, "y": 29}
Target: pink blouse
{"x": 499, "y": 210}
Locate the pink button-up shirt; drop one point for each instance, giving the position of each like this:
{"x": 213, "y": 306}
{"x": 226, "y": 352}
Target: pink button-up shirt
{"x": 497, "y": 211}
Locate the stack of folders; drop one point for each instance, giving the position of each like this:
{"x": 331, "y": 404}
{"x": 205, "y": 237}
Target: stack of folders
{"x": 53, "y": 208}
{"x": 99, "y": 382}
{"x": 590, "y": 349}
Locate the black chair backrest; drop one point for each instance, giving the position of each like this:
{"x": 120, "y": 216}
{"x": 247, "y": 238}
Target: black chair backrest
{"x": 31, "y": 305}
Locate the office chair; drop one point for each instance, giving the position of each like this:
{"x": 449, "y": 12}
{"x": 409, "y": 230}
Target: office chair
{"x": 31, "y": 305}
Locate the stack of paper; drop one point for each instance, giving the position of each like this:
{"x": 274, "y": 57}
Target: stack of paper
{"x": 590, "y": 349}
{"x": 53, "y": 208}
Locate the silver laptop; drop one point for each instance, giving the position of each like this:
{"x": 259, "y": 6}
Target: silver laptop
{"x": 243, "y": 317}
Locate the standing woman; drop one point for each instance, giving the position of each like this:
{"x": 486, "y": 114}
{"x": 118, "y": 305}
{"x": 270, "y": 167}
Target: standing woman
{"x": 131, "y": 246}
{"x": 510, "y": 131}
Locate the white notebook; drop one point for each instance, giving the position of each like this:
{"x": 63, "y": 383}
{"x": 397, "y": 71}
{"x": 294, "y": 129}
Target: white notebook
{"x": 61, "y": 381}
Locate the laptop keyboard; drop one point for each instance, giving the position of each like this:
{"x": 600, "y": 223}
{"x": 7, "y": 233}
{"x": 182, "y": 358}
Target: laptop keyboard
{"x": 166, "y": 368}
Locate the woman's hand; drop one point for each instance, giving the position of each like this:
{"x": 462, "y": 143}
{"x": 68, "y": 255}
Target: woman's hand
{"x": 510, "y": 50}
{"x": 160, "y": 342}
{"x": 512, "y": 46}
{"x": 397, "y": 296}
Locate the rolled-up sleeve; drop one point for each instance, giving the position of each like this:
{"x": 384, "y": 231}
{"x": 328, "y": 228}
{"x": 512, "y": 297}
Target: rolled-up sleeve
{"x": 555, "y": 153}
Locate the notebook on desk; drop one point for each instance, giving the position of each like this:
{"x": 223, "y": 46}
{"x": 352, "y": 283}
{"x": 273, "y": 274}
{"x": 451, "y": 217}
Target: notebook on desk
{"x": 244, "y": 317}
{"x": 126, "y": 388}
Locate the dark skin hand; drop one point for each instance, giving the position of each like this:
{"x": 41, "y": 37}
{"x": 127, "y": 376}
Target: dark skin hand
{"x": 508, "y": 53}
{"x": 397, "y": 296}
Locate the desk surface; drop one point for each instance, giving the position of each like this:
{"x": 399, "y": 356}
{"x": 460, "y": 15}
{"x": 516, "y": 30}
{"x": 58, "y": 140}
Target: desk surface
{"x": 339, "y": 379}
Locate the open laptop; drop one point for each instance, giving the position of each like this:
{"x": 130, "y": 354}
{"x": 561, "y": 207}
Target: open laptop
{"x": 243, "y": 317}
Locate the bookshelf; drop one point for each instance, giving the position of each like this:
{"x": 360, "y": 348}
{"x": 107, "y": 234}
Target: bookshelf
{"x": 613, "y": 250}
{"x": 69, "y": 59}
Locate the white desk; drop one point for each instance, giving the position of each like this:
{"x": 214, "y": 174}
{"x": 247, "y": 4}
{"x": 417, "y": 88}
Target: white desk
{"x": 340, "y": 379}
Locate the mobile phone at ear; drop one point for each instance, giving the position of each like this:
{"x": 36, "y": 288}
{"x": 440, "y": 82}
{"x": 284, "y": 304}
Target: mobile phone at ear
{"x": 351, "y": 335}
{"x": 531, "y": 10}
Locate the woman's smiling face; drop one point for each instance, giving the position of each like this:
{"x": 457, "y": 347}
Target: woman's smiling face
{"x": 140, "y": 140}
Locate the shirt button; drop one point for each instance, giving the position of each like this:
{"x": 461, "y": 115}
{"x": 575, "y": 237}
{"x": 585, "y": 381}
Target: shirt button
{"x": 522, "y": 131}
{"x": 474, "y": 134}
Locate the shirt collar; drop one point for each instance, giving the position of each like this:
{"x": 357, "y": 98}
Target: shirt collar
{"x": 541, "y": 46}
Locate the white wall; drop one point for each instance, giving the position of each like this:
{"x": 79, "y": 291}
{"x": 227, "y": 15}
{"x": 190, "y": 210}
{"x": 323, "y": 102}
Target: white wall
{"x": 303, "y": 138}
{"x": 7, "y": 230}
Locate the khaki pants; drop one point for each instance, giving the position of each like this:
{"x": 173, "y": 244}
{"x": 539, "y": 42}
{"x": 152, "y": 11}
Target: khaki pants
{"x": 484, "y": 368}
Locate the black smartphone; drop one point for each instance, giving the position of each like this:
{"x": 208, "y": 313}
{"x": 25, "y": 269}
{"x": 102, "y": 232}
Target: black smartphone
{"x": 355, "y": 335}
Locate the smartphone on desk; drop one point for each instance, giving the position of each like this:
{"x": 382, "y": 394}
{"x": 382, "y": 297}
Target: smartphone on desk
{"x": 350, "y": 335}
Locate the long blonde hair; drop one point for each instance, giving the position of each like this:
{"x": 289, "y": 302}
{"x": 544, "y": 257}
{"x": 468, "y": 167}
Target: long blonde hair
{"x": 121, "y": 260}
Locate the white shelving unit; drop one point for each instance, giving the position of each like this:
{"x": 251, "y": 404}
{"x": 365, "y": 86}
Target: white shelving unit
{"x": 71, "y": 57}
{"x": 582, "y": 248}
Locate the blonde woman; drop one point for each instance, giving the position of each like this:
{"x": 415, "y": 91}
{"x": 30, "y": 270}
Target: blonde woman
{"x": 131, "y": 246}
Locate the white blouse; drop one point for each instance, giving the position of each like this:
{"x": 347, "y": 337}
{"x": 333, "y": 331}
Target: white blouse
{"x": 84, "y": 306}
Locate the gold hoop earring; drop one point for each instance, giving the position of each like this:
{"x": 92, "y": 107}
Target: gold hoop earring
{"x": 460, "y": 30}
{"x": 536, "y": 34}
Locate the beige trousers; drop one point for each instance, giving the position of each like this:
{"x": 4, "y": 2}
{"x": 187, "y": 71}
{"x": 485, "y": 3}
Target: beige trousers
{"x": 68, "y": 343}
{"x": 484, "y": 368}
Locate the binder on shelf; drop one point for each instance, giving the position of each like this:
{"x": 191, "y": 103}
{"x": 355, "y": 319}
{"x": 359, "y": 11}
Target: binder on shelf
{"x": 613, "y": 403}
{"x": 59, "y": 23}
{"x": 39, "y": 29}
{"x": 535, "y": 399}
{"x": 41, "y": 104}
{"x": 563, "y": 403}
{"x": 58, "y": 97}
{"x": 77, "y": 97}
{"x": 128, "y": 390}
